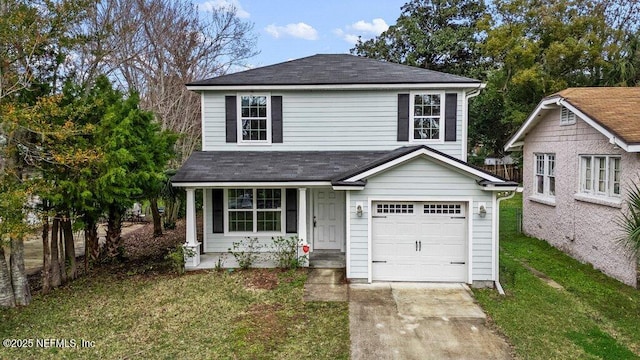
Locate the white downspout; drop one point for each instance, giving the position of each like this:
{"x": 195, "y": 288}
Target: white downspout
{"x": 497, "y": 264}
{"x": 465, "y": 125}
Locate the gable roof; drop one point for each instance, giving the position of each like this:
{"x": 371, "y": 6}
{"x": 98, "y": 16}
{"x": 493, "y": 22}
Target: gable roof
{"x": 613, "y": 111}
{"x": 333, "y": 69}
{"x": 338, "y": 168}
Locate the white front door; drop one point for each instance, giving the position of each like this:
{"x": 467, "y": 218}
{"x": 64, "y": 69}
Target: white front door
{"x": 328, "y": 219}
{"x": 419, "y": 241}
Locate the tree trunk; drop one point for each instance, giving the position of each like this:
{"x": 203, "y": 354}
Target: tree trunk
{"x": 6, "y": 290}
{"x": 46, "y": 257}
{"x": 70, "y": 248}
{"x": 61, "y": 252}
{"x": 90, "y": 242}
{"x": 55, "y": 259}
{"x": 157, "y": 221}
{"x": 114, "y": 246}
{"x": 91, "y": 239}
{"x": 19, "y": 280}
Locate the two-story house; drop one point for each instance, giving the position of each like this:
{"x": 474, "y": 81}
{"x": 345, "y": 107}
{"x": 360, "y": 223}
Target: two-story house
{"x": 353, "y": 155}
{"x": 580, "y": 155}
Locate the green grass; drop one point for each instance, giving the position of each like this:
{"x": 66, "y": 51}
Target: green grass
{"x": 595, "y": 317}
{"x": 203, "y": 316}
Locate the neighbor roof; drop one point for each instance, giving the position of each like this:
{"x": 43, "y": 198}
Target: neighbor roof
{"x": 615, "y": 108}
{"x": 334, "y": 69}
{"x": 613, "y": 111}
{"x": 298, "y": 166}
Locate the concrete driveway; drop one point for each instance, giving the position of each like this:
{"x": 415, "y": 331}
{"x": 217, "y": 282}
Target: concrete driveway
{"x": 420, "y": 321}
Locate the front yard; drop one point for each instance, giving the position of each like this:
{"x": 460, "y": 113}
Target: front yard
{"x": 590, "y": 317}
{"x": 255, "y": 314}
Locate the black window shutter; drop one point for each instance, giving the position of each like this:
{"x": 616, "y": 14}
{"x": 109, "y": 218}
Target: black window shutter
{"x": 231, "y": 119}
{"x": 403, "y": 117}
{"x": 292, "y": 211}
{"x": 218, "y": 210}
{"x": 276, "y": 119}
{"x": 450, "y": 117}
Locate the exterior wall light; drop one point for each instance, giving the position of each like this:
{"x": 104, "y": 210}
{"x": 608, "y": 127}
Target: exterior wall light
{"x": 482, "y": 210}
{"x": 359, "y": 210}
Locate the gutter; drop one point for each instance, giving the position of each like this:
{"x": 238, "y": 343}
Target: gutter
{"x": 497, "y": 265}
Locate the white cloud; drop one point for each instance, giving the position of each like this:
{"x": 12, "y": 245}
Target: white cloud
{"x": 299, "y": 30}
{"x": 375, "y": 27}
{"x": 350, "y": 38}
{"x": 227, "y": 5}
{"x": 363, "y": 29}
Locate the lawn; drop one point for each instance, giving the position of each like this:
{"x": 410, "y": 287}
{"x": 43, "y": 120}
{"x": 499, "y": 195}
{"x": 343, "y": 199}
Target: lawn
{"x": 254, "y": 314}
{"x": 593, "y": 317}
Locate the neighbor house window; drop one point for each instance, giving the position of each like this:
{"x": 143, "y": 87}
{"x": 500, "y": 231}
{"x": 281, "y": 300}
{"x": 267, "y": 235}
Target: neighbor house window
{"x": 567, "y": 117}
{"x": 254, "y": 210}
{"x": 545, "y": 181}
{"x": 254, "y": 119}
{"x": 600, "y": 175}
{"x": 427, "y": 116}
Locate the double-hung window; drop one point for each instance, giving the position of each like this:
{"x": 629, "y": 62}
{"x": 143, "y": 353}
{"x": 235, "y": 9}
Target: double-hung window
{"x": 600, "y": 175}
{"x": 254, "y": 119}
{"x": 427, "y": 116}
{"x": 254, "y": 210}
{"x": 545, "y": 178}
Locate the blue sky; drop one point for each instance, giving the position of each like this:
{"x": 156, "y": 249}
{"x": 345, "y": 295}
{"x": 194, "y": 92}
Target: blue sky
{"x": 289, "y": 29}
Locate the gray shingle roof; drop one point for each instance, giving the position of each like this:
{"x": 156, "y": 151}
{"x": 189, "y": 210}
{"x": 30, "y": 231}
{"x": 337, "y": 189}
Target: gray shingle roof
{"x": 334, "y": 69}
{"x": 286, "y": 166}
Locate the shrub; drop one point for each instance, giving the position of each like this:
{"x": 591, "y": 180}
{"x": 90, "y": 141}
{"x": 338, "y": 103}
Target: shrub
{"x": 246, "y": 251}
{"x": 178, "y": 256}
{"x": 285, "y": 252}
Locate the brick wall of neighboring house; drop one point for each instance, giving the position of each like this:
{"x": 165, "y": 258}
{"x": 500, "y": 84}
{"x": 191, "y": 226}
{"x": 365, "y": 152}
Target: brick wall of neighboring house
{"x": 585, "y": 230}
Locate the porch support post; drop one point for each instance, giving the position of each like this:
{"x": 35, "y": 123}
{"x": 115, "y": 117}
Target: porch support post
{"x": 191, "y": 217}
{"x": 192, "y": 246}
{"x": 302, "y": 214}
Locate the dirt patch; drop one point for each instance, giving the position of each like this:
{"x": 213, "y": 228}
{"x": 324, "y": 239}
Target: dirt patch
{"x": 261, "y": 279}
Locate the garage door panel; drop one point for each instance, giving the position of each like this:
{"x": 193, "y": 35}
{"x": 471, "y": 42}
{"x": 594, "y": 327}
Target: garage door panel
{"x": 419, "y": 241}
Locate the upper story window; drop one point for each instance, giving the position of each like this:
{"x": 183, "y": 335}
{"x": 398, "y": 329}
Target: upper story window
{"x": 254, "y": 120}
{"x": 567, "y": 117}
{"x": 600, "y": 175}
{"x": 427, "y": 117}
{"x": 545, "y": 174}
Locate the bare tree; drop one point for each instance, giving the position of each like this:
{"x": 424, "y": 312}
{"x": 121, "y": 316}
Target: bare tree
{"x": 155, "y": 47}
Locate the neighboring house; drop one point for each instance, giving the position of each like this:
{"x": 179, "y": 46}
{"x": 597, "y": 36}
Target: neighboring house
{"x": 580, "y": 154}
{"x": 352, "y": 155}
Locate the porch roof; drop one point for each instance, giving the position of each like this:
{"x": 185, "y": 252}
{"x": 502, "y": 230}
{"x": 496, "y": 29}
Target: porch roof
{"x": 337, "y": 167}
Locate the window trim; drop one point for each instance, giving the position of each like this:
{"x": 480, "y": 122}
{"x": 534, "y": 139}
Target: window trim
{"x": 255, "y": 210}
{"x": 240, "y": 139}
{"x": 441, "y": 120}
{"x": 567, "y": 117}
{"x": 595, "y": 177}
{"x": 547, "y": 175}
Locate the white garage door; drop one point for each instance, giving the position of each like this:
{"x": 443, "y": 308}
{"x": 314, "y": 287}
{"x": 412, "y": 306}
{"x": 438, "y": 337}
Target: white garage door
{"x": 419, "y": 241}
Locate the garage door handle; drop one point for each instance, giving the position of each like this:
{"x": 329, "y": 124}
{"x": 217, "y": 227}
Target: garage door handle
{"x": 458, "y": 263}
{"x": 420, "y": 243}
{"x": 416, "y": 246}
{"x": 378, "y": 217}
{"x": 379, "y": 261}
{"x": 458, "y": 217}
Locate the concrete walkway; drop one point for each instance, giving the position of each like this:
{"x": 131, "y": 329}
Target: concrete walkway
{"x": 325, "y": 285}
{"x": 420, "y": 321}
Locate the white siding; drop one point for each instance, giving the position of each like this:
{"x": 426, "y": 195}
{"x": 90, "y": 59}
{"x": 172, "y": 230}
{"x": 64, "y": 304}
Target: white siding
{"x": 422, "y": 179}
{"x": 327, "y": 120}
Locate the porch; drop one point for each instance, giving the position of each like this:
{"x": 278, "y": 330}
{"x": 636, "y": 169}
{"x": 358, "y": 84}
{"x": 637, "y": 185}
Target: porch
{"x": 319, "y": 259}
